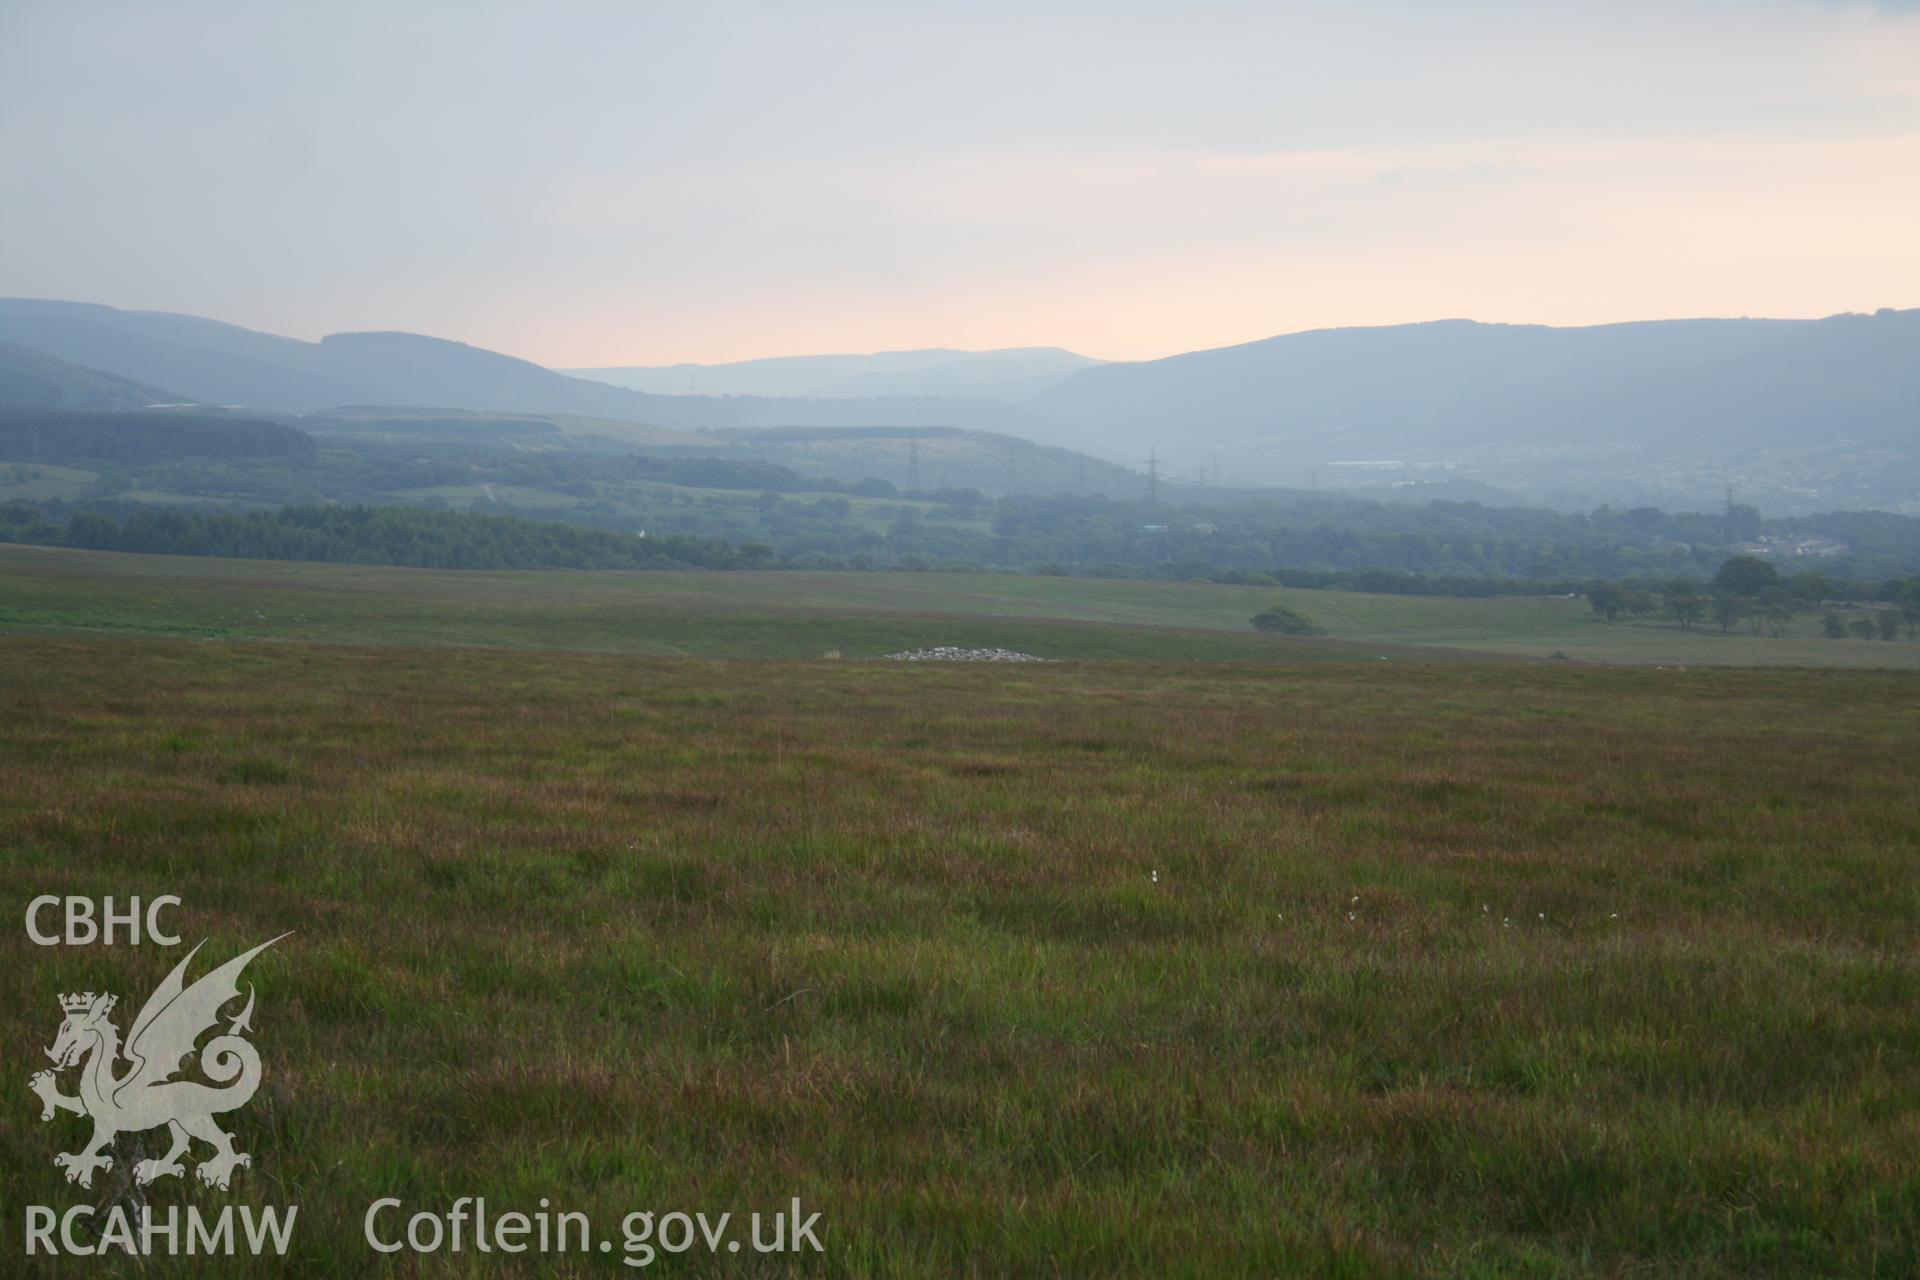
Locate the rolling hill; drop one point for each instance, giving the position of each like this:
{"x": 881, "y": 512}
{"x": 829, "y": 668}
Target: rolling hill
{"x": 224, "y": 364}
{"x": 1484, "y": 396}
{"x": 1011, "y": 374}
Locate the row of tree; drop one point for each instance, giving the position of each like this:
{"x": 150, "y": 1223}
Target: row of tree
{"x": 1749, "y": 592}
{"x": 143, "y": 439}
{"x": 377, "y": 535}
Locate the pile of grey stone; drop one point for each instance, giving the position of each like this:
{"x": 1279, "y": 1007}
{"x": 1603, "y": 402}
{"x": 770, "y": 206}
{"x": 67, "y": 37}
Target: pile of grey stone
{"x": 946, "y": 653}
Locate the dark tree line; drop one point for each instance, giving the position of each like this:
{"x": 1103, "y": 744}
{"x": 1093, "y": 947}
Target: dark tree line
{"x": 377, "y": 535}
{"x": 144, "y": 439}
{"x": 1745, "y": 592}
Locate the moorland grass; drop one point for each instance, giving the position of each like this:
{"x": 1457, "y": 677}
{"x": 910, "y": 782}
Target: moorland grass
{"x": 1329, "y": 968}
{"x": 806, "y": 615}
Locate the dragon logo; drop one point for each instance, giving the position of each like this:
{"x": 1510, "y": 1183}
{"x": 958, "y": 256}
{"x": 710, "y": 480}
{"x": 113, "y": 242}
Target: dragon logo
{"x": 146, "y": 1095}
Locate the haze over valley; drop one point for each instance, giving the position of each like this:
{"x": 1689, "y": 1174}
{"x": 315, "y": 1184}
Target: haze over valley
{"x": 1795, "y": 416}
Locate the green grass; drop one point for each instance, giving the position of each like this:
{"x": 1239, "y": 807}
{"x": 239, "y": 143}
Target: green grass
{"x": 1097, "y": 968}
{"x": 633, "y": 933}
{"x": 801, "y": 615}
{"x": 632, "y": 432}
{"x": 43, "y": 482}
{"x": 658, "y": 614}
{"x": 638, "y": 498}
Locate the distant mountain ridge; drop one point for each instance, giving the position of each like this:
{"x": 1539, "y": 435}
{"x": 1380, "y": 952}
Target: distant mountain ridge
{"x": 1799, "y": 415}
{"x": 1803, "y": 414}
{"x": 1449, "y": 384}
{"x": 217, "y": 363}
{"x": 1012, "y": 374}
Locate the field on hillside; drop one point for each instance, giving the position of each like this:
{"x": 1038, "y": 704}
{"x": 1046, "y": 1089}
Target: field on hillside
{"x": 807, "y": 615}
{"x": 1329, "y": 968}
{"x": 639, "y": 499}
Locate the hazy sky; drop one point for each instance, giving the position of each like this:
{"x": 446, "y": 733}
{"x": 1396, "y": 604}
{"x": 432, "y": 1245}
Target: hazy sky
{"x": 599, "y": 184}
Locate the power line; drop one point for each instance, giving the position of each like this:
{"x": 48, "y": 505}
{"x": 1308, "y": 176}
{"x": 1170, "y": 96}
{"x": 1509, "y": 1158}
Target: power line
{"x": 1153, "y": 477}
{"x": 913, "y": 465}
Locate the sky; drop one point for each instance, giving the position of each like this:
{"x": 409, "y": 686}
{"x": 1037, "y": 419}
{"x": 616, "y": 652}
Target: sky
{"x": 600, "y": 184}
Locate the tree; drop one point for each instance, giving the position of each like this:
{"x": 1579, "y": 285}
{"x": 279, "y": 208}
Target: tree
{"x": 1607, "y": 600}
{"x": 1889, "y": 623}
{"x": 1833, "y": 628}
{"x": 1810, "y": 588}
{"x": 1281, "y": 620}
{"x": 1746, "y": 576}
{"x": 1864, "y": 628}
{"x": 1685, "y": 607}
{"x": 1728, "y": 610}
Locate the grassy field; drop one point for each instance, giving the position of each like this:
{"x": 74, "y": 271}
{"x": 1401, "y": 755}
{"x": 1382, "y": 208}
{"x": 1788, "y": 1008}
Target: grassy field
{"x": 1328, "y": 967}
{"x": 42, "y": 482}
{"x": 806, "y": 615}
{"x": 636, "y": 498}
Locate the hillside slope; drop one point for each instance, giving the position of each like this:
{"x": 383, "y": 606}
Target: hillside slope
{"x": 224, "y": 364}
{"x": 33, "y": 379}
{"x": 1446, "y": 389}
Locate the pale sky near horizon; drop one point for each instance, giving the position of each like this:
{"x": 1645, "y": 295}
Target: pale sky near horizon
{"x": 597, "y": 184}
